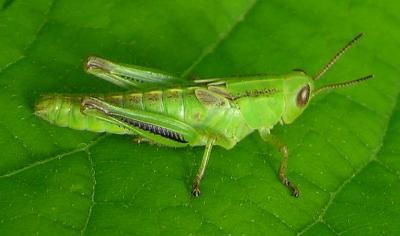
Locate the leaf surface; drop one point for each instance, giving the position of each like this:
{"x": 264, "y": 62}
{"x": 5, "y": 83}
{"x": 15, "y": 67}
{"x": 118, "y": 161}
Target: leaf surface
{"x": 344, "y": 152}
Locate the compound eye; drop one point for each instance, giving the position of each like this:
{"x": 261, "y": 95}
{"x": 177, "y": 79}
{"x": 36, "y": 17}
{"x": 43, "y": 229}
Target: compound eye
{"x": 303, "y": 96}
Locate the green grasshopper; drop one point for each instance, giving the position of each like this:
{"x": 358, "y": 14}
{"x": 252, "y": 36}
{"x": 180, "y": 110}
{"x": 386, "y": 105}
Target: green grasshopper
{"x": 161, "y": 108}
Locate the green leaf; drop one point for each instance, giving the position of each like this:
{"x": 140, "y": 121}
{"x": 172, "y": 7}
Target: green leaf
{"x": 343, "y": 150}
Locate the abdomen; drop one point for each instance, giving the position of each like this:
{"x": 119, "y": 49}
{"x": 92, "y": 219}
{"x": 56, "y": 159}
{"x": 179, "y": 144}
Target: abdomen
{"x": 65, "y": 111}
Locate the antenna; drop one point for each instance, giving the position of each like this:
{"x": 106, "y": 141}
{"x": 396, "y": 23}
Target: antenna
{"x": 336, "y": 57}
{"x": 341, "y": 85}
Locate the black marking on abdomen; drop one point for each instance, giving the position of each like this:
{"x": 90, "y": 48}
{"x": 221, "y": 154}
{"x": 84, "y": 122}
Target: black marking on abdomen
{"x": 166, "y": 133}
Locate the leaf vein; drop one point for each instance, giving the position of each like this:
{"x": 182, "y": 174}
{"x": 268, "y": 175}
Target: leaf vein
{"x": 92, "y": 197}
{"x": 58, "y": 156}
{"x": 350, "y": 178}
{"x": 29, "y": 44}
{"x": 223, "y": 36}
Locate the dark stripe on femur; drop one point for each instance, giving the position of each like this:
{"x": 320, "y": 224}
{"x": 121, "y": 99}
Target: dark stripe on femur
{"x": 154, "y": 129}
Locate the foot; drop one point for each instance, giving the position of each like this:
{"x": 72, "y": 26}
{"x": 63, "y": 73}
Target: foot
{"x": 196, "y": 190}
{"x": 295, "y": 191}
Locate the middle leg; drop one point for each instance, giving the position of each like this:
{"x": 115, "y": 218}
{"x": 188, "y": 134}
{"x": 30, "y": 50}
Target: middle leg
{"x": 202, "y": 168}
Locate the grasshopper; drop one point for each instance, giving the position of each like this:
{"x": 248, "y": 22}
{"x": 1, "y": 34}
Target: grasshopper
{"x": 162, "y": 108}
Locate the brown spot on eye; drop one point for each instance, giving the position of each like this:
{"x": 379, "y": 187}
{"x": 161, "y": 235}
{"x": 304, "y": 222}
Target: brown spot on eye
{"x": 303, "y": 96}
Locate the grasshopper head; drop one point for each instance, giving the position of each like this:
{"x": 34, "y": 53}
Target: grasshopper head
{"x": 299, "y": 88}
